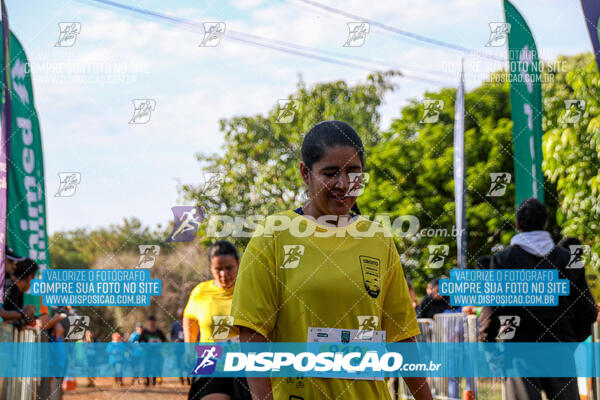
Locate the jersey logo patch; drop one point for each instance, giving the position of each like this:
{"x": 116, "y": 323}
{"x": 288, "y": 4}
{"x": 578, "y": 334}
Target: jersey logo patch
{"x": 291, "y": 255}
{"x": 370, "y": 272}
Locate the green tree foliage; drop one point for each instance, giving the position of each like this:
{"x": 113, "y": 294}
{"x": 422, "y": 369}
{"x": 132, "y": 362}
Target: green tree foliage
{"x": 80, "y": 248}
{"x": 412, "y": 174}
{"x": 179, "y": 266}
{"x": 572, "y": 153}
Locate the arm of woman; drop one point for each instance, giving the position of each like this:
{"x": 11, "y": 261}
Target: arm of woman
{"x": 259, "y": 387}
{"x": 9, "y": 315}
{"x": 417, "y": 385}
{"x": 190, "y": 330}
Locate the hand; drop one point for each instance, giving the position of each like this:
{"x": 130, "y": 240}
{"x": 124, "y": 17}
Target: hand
{"x": 29, "y": 312}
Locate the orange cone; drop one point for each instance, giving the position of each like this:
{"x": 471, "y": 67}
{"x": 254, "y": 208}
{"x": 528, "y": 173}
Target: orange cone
{"x": 468, "y": 395}
{"x": 69, "y": 384}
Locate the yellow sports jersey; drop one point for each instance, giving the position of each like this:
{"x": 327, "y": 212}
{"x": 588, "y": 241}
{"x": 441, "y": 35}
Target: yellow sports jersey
{"x": 287, "y": 284}
{"x": 210, "y": 305}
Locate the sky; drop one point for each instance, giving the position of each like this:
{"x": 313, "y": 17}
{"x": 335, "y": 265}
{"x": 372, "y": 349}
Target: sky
{"x": 84, "y": 93}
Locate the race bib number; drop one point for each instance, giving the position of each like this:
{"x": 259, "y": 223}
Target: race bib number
{"x": 350, "y": 339}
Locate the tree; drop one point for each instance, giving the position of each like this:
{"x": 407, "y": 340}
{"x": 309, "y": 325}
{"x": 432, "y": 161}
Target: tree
{"x": 572, "y": 153}
{"x": 179, "y": 266}
{"x": 412, "y": 174}
{"x": 79, "y": 248}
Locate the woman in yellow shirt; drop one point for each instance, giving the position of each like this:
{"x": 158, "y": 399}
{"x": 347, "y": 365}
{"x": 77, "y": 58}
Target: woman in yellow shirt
{"x": 329, "y": 269}
{"x": 207, "y": 318}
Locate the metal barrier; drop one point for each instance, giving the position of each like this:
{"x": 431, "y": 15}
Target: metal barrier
{"x": 448, "y": 328}
{"x": 25, "y": 388}
{"x": 426, "y": 336}
{"x": 454, "y": 327}
{"x": 483, "y": 388}
{"x": 6, "y": 335}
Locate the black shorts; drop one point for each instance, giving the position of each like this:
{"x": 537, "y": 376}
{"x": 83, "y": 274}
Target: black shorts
{"x": 236, "y": 388}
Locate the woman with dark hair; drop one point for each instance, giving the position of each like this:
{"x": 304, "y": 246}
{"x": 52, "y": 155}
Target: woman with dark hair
{"x": 207, "y": 318}
{"x": 331, "y": 270}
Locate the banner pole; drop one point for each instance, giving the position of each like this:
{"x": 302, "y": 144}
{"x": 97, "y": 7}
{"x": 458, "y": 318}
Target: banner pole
{"x": 4, "y": 144}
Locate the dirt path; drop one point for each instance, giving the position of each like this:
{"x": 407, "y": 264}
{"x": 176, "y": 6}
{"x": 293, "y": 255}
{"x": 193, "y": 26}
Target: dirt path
{"x": 170, "y": 389}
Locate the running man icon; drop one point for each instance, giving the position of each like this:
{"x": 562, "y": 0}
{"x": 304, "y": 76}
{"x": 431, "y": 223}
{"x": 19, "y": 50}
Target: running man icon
{"x": 186, "y": 222}
{"x": 367, "y": 324}
{"x": 499, "y": 182}
{"x": 207, "y": 359}
{"x": 292, "y": 254}
{"x": 577, "y": 253}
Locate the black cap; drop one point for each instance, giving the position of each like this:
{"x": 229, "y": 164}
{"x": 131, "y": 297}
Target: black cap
{"x": 10, "y": 254}
{"x": 151, "y": 318}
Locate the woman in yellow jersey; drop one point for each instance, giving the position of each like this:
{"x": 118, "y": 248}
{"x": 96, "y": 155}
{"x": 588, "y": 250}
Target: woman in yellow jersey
{"x": 329, "y": 268}
{"x": 207, "y": 318}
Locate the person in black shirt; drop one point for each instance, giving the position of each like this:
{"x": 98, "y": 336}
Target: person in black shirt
{"x": 177, "y": 328}
{"x": 14, "y": 287}
{"x": 153, "y": 358}
{"x": 569, "y": 321}
{"x": 433, "y": 303}
{"x": 176, "y": 334}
